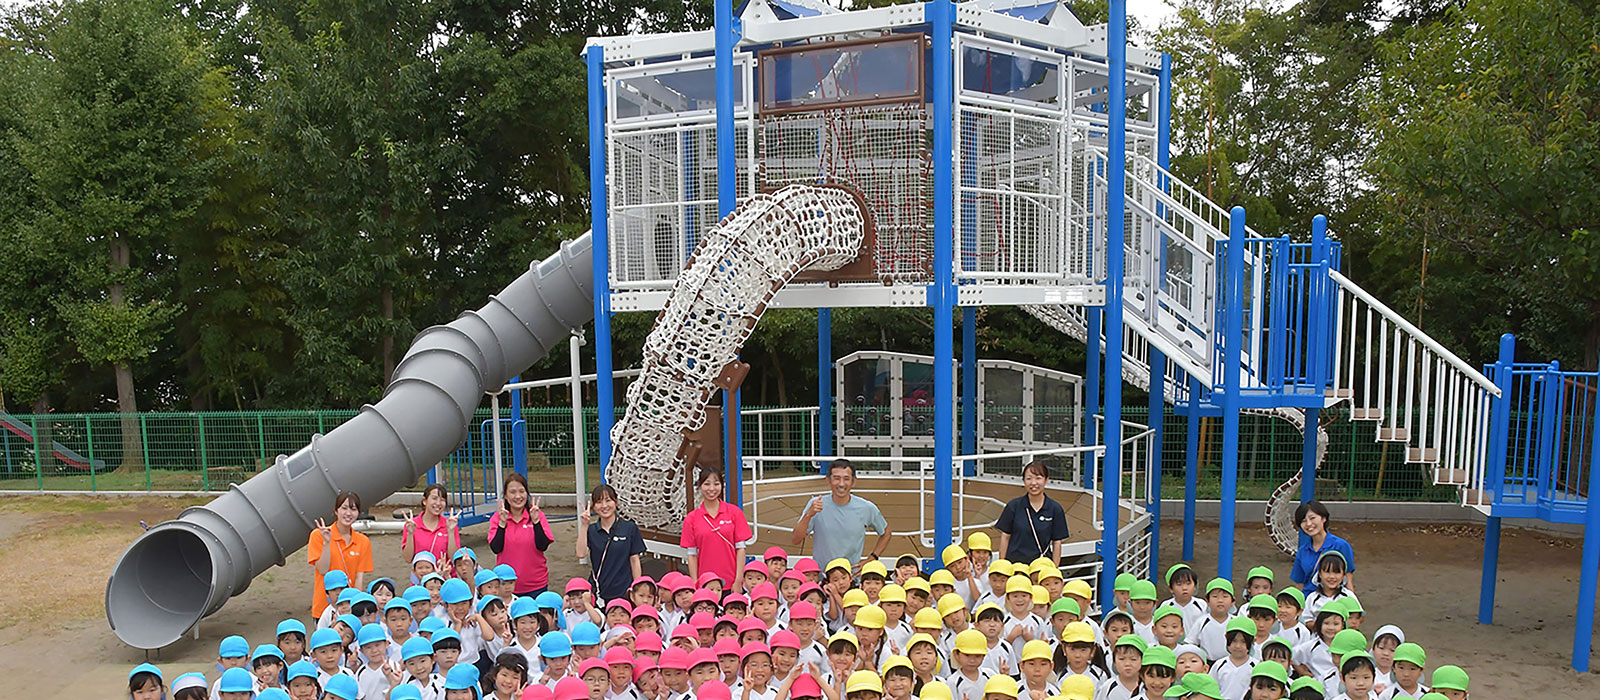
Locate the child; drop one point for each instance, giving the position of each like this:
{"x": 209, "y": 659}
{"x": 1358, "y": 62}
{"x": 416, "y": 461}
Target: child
{"x": 1116, "y": 624}
{"x": 1000, "y": 688}
{"x": 596, "y": 676}
{"x": 434, "y": 582}
{"x": 416, "y": 656}
{"x": 620, "y": 670}
{"x": 1077, "y": 688}
{"x": 232, "y": 652}
{"x": 1268, "y": 682}
{"x": 1158, "y": 671}
{"x": 508, "y": 582}
{"x": 874, "y": 575}
{"x": 764, "y": 606}
{"x": 1020, "y": 624}
{"x": 1167, "y": 626}
{"x": 1356, "y": 671}
{"x": 555, "y": 655}
{"x": 786, "y": 653}
{"x": 999, "y": 575}
{"x": 1262, "y": 611}
{"x": 505, "y": 678}
{"x": 1078, "y": 590}
{"x": 803, "y": 625}
{"x": 492, "y": 624}
{"x": 1127, "y": 661}
{"x": 727, "y": 651}
{"x": 397, "y": 623}
{"x": 446, "y": 650}
{"x": 1190, "y": 659}
{"x": 1278, "y": 651}
{"x": 1182, "y": 581}
{"x": 1062, "y": 613}
{"x": 893, "y": 601}
{"x": 334, "y": 584}
{"x": 327, "y": 650}
{"x": 1122, "y": 591}
{"x": 980, "y": 550}
{"x": 777, "y": 563}
{"x": 585, "y": 641}
{"x": 1233, "y": 671}
{"x": 755, "y": 671}
{"x": 1290, "y": 603}
{"x": 457, "y": 598}
{"x": 1329, "y": 584}
{"x": 735, "y": 606}
{"x": 302, "y": 681}
{"x": 1451, "y": 682}
{"x": 1052, "y": 581}
{"x": 618, "y": 611}
{"x": 1388, "y": 638}
{"x": 1257, "y": 582}
{"x": 843, "y": 654}
{"x": 922, "y": 652}
{"x": 675, "y": 674}
{"x": 1306, "y": 689}
{"x": 266, "y": 664}
{"x": 485, "y": 584}
{"x": 291, "y": 636}
{"x": 675, "y": 606}
{"x": 461, "y": 683}
{"x": 1001, "y": 657}
{"x": 963, "y": 575}
{"x": 1314, "y": 657}
{"x": 1035, "y": 667}
{"x": 236, "y": 683}
{"x": 370, "y": 675}
{"x": 644, "y": 591}
{"x": 365, "y": 608}
{"x": 899, "y": 679}
{"x": 954, "y": 614}
{"x": 942, "y": 583}
{"x": 421, "y": 604}
{"x": 755, "y": 576}
{"x": 526, "y": 626}
{"x": 1142, "y": 606}
{"x": 1199, "y": 685}
{"x": 969, "y": 676}
{"x": 1409, "y": 662}
{"x": 864, "y": 685}
{"x": 646, "y": 681}
{"x": 145, "y": 683}
{"x": 905, "y": 566}
{"x": 192, "y": 686}
{"x": 1354, "y": 614}
{"x": 382, "y": 590}
{"x": 703, "y": 668}
{"x": 1078, "y": 654}
{"x": 1210, "y": 633}
{"x": 789, "y": 586}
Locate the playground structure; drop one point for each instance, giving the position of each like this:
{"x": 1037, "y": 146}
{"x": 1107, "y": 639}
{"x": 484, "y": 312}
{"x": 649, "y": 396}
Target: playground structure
{"x": 942, "y": 156}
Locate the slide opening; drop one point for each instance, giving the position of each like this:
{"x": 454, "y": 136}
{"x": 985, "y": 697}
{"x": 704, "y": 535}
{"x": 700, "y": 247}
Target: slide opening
{"x": 162, "y": 588}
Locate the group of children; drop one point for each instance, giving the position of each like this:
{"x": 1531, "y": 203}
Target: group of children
{"x": 977, "y": 629}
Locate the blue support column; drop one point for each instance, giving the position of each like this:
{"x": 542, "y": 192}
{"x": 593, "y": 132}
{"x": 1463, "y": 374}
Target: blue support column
{"x": 1583, "y": 633}
{"x": 969, "y": 387}
{"x": 727, "y": 199}
{"x": 1191, "y": 469}
{"x": 519, "y": 431}
{"x": 1319, "y": 349}
{"x": 1091, "y": 377}
{"x": 1116, "y": 149}
{"x": 825, "y": 381}
{"x": 1494, "y": 476}
{"x": 604, "y": 404}
{"x": 1308, "y": 459}
{"x": 941, "y": 15}
{"x": 1233, "y": 338}
{"x": 1158, "y": 408}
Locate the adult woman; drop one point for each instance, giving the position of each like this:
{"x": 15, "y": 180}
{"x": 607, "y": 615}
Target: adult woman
{"x": 1312, "y": 518}
{"x": 432, "y": 530}
{"x": 519, "y": 534}
{"x": 716, "y": 534}
{"x": 1033, "y": 524}
{"x": 340, "y": 547}
{"x": 612, "y": 544}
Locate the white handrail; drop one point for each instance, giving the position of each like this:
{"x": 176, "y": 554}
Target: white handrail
{"x": 1416, "y": 333}
{"x": 557, "y": 381}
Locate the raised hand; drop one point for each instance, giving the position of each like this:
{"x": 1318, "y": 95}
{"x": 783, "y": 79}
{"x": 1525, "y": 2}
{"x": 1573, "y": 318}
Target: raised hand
{"x": 536, "y": 501}
{"x": 393, "y": 672}
{"x": 815, "y": 507}
{"x": 1005, "y": 668}
{"x": 324, "y": 529}
{"x": 452, "y": 519}
{"x": 586, "y": 513}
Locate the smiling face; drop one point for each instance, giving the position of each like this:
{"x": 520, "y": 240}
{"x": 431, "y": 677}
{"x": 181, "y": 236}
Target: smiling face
{"x": 516, "y": 496}
{"x": 1313, "y": 524}
{"x": 711, "y": 488}
{"x": 433, "y": 503}
{"x": 151, "y": 690}
{"x": 347, "y": 512}
{"x": 1034, "y": 482}
{"x": 840, "y": 481}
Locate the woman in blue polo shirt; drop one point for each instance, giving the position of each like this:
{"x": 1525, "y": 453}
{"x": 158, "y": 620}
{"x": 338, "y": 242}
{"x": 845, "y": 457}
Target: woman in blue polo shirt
{"x": 1033, "y": 524}
{"x": 1312, "y": 519}
{"x": 612, "y": 544}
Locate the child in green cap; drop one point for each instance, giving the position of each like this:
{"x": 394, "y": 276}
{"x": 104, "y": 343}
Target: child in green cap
{"x": 1233, "y": 671}
{"x": 1268, "y": 682}
{"x": 1142, "y": 606}
{"x": 1314, "y": 657}
{"x": 1182, "y": 582}
{"x": 1158, "y": 672}
{"x": 1451, "y": 682}
{"x": 1291, "y": 602}
{"x": 1331, "y": 570}
{"x": 1263, "y": 612}
{"x": 1257, "y": 582}
{"x": 1211, "y": 632}
{"x": 1357, "y": 672}
{"x": 1409, "y": 662}
{"x": 1121, "y": 589}
{"x": 1306, "y": 689}
{"x": 1168, "y": 626}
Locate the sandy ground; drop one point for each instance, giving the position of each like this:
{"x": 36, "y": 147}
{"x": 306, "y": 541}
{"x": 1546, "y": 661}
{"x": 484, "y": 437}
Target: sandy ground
{"x": 1423, "y": 578}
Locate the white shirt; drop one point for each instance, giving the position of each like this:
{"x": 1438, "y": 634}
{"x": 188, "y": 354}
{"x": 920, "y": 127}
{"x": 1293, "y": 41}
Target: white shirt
{"x": 372, "y": 684}
{"x": 900, "y": 633}
{"x": 964, "y": 688}
{"x": 1394, "y": 690}
{"x": 432, "y": 688}
{"x": 1051, "y": 689}
{"x": 1314, "y": 654}
{"x": 1001, "y": 651}
{"x": 1211, "y": 635}
{"x": 1114, "y": 690}
{"x": 770, "y": 693}
{"x": 1316, "y": 600}
{"x": 814, "y": 653}
{"x": 471, "y": 643}
{"x": 323, "y": 677}
{"x": 1095, "y": 673}
{"x": 628, "y": 693}
{"x": 1295, "y": 635}
{"x": 1193, "y": 612}
{"x": 1234, "y": 680}
{"x": 1145, "y": 632}
{"x": 1347, "y": 696}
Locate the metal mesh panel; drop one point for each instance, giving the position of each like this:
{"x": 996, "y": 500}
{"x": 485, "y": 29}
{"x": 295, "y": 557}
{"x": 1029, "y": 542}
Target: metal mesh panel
{"x": 1013, "y": 201}
{"x": 880, "y": 151}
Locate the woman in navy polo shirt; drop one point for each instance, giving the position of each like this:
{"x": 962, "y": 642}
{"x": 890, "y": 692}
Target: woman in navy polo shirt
{"x": 1033, "y": 524}
{"x": 1312, "y": 519}
{"x": 612, "y": 545}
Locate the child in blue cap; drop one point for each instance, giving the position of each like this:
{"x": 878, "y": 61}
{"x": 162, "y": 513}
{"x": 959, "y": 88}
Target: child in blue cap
{"x": 405, "y": 692}
{"x": 236, "y": 684}
{"x": 465, "y": 563}
{"x": 461, "y": 683}
{"x": 302, "y": 683}
{"x": 232, "y": 652}
{"x": 328, "y": 651}
{"x": 397, "y": 623}
{"x": 457, "y": 597}
{"x": 292, "y": 640}
{"x": 273, "y": 694}
{"x": 434, "y": 582}
{"x": 266, "y": 664}
{"x": 383, "y": 590}
{"x": 508, "y": 582}
{"x": 145, "y": 683}
{"x": 365, "y": 608}
{"x": 371, "y": 675}
{"x": 485, "y": 584}
{"x": 421, "y": 603}
{"x": 342, "y": 688}
{"x": 494, "y": 625}
{"x": 334, "y": 584}
{"x": 416, "y": 655}
{"x": 190, "y": 686}
{"x": 446, "y": 650}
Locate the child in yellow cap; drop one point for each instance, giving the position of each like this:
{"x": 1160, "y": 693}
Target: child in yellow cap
{"x": 1078, "y": 654}
{"x": 1038, "y": 660}
{"x": 959, "y": 564}
{"x": 899, "y": 680}
{"x": 927, "y": 661}
{"x": 969, "y": 676}
{"x": 863, "y": 685}
{"x": 994, "y": 591}
{"x": 980, "y": 550}
{"x": 1000, "y": 688}
{"x": 1020, "y": 625}
{"x": 1077, "y": 688}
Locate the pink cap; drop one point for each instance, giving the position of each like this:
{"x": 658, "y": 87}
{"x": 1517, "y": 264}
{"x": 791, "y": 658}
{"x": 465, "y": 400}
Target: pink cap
{"x": 642, "y": 579}
{"x": 619, "y": 656}
{"x": 620, "y": 603}
{"x": 538, "y": 692}
{"x": 648, "y": 641}
{"x": 647, "y": 611}
{"x": 808, "y": 587}
{"x": 578, "y": 584}
{"x": 703, "y": 656}
{"x": 775, "y": 553}
{"x": 674, "y": 658}
{"x": 802, "y": 610}
{"x": 713, "y": 690}
{"x": 763, "y": 590}
{"x": 785, "y": 639}
{"x": 702, "y": 620}
{"x": 684, "y": 630}
{"x": 792, "y": 575}
{"x": 807, "y": 566}
{"x": 805, "y": 687}
{"x": 725, "y": 647}
{"x": 725, "y": 620}
{"x": 569, "y": 688}
{"x": 703, "y": 596}
{"x": 592, "y": 664}
{"x": 642, "y": 666}
{"x": 735, "y": 598}
{"x": 680, "y": 581}
{"x": 707, "y": 578}
{"x": 753, "y": 648}
{"x": 751, "y": 624}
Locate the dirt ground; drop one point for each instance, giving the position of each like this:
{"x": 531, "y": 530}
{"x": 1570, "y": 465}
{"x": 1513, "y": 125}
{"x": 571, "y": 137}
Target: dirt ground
{"x": 1423, "y": 578}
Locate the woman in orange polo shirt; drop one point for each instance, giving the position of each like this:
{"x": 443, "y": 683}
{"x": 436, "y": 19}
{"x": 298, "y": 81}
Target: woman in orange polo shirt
{"x": 338, "y": 546}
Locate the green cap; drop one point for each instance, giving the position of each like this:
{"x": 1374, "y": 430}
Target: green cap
{"x": 1259, "y": 572}
{"x": 1065, "y": 605}
{"x": 1413, "y": 653}
{"x": 1132, "y": 640}
{"x": 1335, "y": 607}
{"x": 1264, "y": 602}
{"x": 1219, "y": 583}
{"x": 1433, "y": 696}
{"x": 1352, "y": 606}
{"x": 1176, "y": 691}
{"x": 1241, "y": 624}
{"x": 1175, "y": 568}
{"x": 1272, "y": 670}
{"x": 1294, "y": 594}
{"x": 1304, "y": 682}
{"x": 1278, "y": 641}
{"x": 1142, "y": 590}
{"x": 1202, "y": 684}
{"x": 1450, "y": 678}
{"x": 1123, "y": 582}
{"x": 1159, "y": 656}
{"x": 1164, "y": 611}
{"x": 1352, "y": 656}
{"x": 1348, "y": 641}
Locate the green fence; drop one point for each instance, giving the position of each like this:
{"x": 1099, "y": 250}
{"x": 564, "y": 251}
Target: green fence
{"x": 207, "y": 451}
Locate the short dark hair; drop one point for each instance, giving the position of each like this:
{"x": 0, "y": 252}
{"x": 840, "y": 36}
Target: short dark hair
{"x": 1310, "y": 507}
{"x": 1352, "y": 662}
{"x": 708, "y": 473}
{"x": 603, "y": 492}
{"x": 362, "y": 608}
{"x": 510, "y": 661}
{"x": 842, "y": 463}
{"x": 447, "y": 644}
{"x": 990, "y": 613}
{"x": 351, "y": 496}
{"x": 428, "y": 491}
{"x": 1039, "y": 467}
{"x": 138, "y": 681}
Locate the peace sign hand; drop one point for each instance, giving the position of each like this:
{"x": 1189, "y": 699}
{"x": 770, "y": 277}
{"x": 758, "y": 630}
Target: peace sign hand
{"x": 392, "y": 671}
{"x": 324, "y": 529}
{"x": 586, "y": 513}
{"x": 453, "y": 519}
{"x": 536, "y": 501}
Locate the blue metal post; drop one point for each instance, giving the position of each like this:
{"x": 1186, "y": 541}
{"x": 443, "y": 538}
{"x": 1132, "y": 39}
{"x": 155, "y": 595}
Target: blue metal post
{"x": 595, "y": 58}
{"x": 1308, "y": 459}
{"x": 519, "y": 432}
{"x": 1494, "y": 475}
{"x": 969, "y": 387}
{"x": 1116, "y": 149}
{"x": 1320, "y": 331}
{"x": 1191, "y": 469}
{"x": 1234, "y": 329}
{"x": 825, "y": 381}
{"x": 941, "y": 295}
{"x": 1157, "y": 418}
{"x": 1583, "y": 634}
{"x": 1091, "y": 377}
{"x": 727, "y": 198}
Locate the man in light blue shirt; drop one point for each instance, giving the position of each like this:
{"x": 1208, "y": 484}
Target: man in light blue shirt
{"x": 838, "y": 523}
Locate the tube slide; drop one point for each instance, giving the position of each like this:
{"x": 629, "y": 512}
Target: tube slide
{"x": 184, "y": 569}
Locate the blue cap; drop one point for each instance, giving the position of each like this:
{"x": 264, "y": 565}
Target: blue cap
{"x": 302, "y": 669}
{"x": 397, "y": 603}
{"x": 348, "y": 595}
{"x": 555, "y": 645}
{"x": 444, "y": 634}
{"x": 586, "y": 633}
{"x": 505, "y": 572}
{"x": 291, "y": 625}
{"x": 484, "y": 602}
{"x": 373, "y": 587}
{"x": 185, "y": 681}
{"x": 273, "y": 694}
{"x": 414, "y": 647}
{"x": 523, "y": 606}
{"x": 324, "y": 637}
{"x": 335, "y": 578}
{"x": 435, "y": 576}
{"x": 548, "y": 600}
{"x": 351, "y": 621}
{"x": 233, "y": 646}
{"x": 461, "y": 677}
{"x": 364, "y": 597}
{"x": 405, "y": 691}
{"x": 237, "y": 680}
{"x": 371, "y": 632}
{"x": 267, "y": 650}
{"x": 344, "y": 687}
{"x": 484, "y": 576}
{"x": 455, "y": 591}
{"x": 416, "y": 594}
{"x": 426, "y": 556}
{"x": 430, "y": 624}
{"x": 464, "y": 552}
{"x": 146, "y": 668}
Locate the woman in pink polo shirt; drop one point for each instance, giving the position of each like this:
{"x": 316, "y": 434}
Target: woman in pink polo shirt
{"x": 519, "y": 534}
{"x": 432, "y": 530}
{"x": 716, "y": 534}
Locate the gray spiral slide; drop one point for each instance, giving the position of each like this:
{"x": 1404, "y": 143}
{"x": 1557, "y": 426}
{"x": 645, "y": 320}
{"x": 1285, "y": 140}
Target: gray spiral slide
{"x": 184, "y": 569}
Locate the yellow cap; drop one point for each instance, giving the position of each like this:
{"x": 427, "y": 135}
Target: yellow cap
{"x": 870, "y": 617}
{"x": 1079, "y": 631}
{"x": 919, "y": 638}
{"x": 843, "y": 637}
{"x": 892, "y": 593}
{"x": 1048, "y": 573}
{"x": 951, "y": 603}
{"x": 916, "y": 583}
{"x": 1037, "y": 649}
{"x": 840, "y": 563}
{"x": 942, "y": 577}
{"x": 934, "y": 690}
{"x": 972, "y": 642}
{"x": 986, "y": 606}
{"x": 1038, "y": 565}
{"x": 1079, "y": 588}
{"x": 864, "y": 680}
{"x": 1077, "y": 687}
{"x": 1001, "y": 684}
{"x": 894, "y": 661}
{"x": 979, "y": 541}
{"x": 952, "y": 554}
{"x": 1040, "y": 595}
{"x": 1002, "y": 567}
{"x": 875, "y": 567}
{"x": 854, "y": 597}
{"x": 1019, "y": 584}
{"x": 927, "y": 619}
